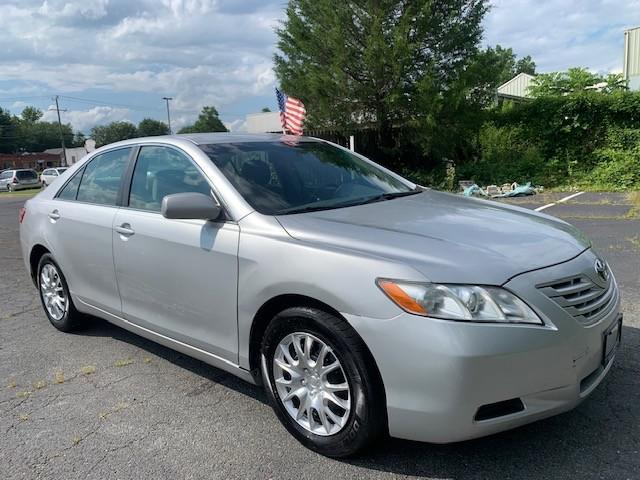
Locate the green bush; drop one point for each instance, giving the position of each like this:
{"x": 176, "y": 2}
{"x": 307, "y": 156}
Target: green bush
{"x": 506, "y": 155}
{"x": 615, "y": 169}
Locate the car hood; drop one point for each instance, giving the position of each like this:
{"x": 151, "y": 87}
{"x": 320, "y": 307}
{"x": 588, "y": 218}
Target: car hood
{"x": 447, "y": 238}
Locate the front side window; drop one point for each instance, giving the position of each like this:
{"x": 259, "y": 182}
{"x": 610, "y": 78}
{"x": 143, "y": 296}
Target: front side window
{"x": 278, "y": 178}
{"x": 102, "y": 176}
{"x": 162, "y": 171}
{"x": 70, "y": 190}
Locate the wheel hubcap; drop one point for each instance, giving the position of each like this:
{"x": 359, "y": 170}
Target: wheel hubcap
{"x": 53, "y": 294}
{"x": 311, "y": 383}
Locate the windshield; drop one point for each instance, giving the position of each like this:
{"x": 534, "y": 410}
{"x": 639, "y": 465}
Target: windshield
{"x": 278, "y": 178}
{"x": 26, "y": 175}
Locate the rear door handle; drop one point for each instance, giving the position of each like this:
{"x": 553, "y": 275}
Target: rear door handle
{"x": 54, "y": 215}
{"x": 125, "y": 229}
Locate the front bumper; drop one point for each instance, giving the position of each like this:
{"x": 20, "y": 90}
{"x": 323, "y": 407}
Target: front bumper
{"x": 437, "y": 374}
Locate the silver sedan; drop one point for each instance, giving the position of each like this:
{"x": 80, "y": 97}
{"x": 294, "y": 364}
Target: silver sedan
{"x": 364, "y": 304}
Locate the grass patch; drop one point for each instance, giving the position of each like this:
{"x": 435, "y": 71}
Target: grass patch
{"x": 12, "y": 383}
{"x": 23, "y": 417}
{"x": 635, "y": 241}
{"x": 58, "y": 377}
{"x": 123, "y": 362}
{"x": 40, "y": 384}
{"x": 88, "y": 370}
{"x": 24, "y": 394}
{"x": 634, "y": 199}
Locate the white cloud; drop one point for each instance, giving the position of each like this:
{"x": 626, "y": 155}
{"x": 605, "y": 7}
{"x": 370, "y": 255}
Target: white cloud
{"x": 559, "y": 34}
{"x": 83, "y": 120}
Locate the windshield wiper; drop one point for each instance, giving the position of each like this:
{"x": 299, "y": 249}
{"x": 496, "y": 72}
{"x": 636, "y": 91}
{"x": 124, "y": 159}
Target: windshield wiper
{"x": 389, "y": 196}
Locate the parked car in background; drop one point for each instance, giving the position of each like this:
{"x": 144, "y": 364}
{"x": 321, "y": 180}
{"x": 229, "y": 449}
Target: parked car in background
{"x": 20, "y": 179}
{"x": 363, "y": 303}
{"x": 50, "y": 174}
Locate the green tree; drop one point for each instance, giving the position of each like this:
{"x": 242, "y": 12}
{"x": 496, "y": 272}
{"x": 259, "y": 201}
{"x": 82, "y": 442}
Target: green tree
{"x": 525, "y": 65}
{"x": 378, "y": 63}
{"x": 113, "y": 132}
{"x": 8, "y": 132}
{"x": 31, "y": 114}
{"x": 207, "y": 121}
{"x": 575, "y": 80}
{"x": 265, "y": 109}
{"x": 151, "y": 128}
{"x": 78, "y": 139}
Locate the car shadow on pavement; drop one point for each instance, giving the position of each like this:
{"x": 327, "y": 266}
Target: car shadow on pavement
{"x": 598, "y": 439}
{"x": 101, "y": 328}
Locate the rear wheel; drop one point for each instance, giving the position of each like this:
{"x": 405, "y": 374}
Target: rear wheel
{"x": 54, "y": 295}
{"x": 321, "y": 383}
{"x": 10, "y": 187}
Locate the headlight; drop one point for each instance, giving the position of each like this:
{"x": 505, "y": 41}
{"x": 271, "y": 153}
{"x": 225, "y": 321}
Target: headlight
{"x": 459, "y": 302}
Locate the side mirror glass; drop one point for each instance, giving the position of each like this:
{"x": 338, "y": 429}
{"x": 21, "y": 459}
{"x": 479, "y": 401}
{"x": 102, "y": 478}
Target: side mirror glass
{"x": 191, "y": 206}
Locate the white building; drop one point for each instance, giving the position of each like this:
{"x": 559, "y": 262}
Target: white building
{"x": 517, "y": 88}
{"x": 72, "y": 155}
{"x": 264, "y": 122}
{"x": 631, "y": 64}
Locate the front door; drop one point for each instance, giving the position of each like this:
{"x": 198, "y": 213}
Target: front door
{"x": 176, "y": 277}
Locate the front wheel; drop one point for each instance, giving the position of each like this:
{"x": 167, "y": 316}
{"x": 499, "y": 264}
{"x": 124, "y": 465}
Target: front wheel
{"x": 10, "y": 187}
{"x": 321, "y": 382}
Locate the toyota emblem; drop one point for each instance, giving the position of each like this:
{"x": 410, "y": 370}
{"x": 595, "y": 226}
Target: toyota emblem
{"x": 601, "y": 269}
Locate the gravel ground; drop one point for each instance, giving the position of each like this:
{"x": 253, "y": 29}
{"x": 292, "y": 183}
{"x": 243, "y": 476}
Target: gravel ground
{"x": 105, "y": 403}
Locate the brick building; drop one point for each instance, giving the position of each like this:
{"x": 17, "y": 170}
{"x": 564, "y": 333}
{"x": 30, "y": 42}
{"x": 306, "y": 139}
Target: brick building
{"x": 37, "y": 161}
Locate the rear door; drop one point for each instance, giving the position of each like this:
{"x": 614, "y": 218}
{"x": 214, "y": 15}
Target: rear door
{"x": 81, "y": 217}
{"x": 176, "y": 277}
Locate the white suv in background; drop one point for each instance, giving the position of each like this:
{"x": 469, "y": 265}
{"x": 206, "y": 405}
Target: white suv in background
{"x": 50, "y": 174}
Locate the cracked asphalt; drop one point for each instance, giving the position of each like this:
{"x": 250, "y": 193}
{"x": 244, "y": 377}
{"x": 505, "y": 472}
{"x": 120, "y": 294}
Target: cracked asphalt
{"x": 105, "y": 403}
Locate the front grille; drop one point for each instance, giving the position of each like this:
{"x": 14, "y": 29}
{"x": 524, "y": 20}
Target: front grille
{"x": 582, "y": 298}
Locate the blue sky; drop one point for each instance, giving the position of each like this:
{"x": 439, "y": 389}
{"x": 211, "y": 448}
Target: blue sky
{"x": 115, "y": 59}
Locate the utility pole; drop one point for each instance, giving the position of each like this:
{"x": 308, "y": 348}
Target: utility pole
{"x": 166, "y": 99}
{"x": 64, "y": 149}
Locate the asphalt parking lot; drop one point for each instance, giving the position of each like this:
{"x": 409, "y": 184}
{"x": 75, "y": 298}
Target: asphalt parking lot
{"x": 105, "y": 403}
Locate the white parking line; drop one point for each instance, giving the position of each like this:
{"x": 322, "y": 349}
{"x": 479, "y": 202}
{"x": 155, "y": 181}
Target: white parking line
{"x": 565, "y": 199}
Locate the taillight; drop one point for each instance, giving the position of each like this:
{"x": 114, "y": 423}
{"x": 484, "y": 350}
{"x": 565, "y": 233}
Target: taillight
{"x": 15, "y": 180}
{"x": 23, "y": 212}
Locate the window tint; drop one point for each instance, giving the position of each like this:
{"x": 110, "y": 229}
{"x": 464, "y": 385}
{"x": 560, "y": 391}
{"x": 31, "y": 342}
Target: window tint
{"x": 287, "y": 177}
{"x": 101, "y": 179}
{"x": 162, "y": 171}
{"x": 26, "y": 175}
{"x": 70, "y": 190}
{"x": 6, "y": 175}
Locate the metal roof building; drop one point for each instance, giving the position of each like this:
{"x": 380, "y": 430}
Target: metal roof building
{"x": 631, "y": 64}
{"x": 516, "y": 88}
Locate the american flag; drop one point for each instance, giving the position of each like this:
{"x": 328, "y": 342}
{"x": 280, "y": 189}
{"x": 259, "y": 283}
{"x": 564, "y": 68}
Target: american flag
{"x": 292, "y": 113}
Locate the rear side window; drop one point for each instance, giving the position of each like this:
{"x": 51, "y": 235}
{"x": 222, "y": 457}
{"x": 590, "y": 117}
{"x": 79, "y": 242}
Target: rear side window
{"x": 102, "y": 177}
{"x": 6, "y": 175}
{"x": 70, "y": 190}
{"x": 162, "y": 171}
{"x": 26, "y": 175}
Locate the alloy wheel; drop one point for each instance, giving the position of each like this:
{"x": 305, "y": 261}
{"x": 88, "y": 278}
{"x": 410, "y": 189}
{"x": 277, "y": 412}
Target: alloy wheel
{"x": 54, "y": 296}
{"x": 311, "y": 383}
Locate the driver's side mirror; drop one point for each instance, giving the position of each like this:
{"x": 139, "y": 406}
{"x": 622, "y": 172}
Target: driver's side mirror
{"x": 191, "y": 206}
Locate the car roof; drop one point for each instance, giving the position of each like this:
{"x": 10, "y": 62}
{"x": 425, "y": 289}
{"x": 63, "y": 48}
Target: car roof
{"x": 218, "y": 137}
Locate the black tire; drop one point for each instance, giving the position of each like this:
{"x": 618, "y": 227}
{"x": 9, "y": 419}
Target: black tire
{"x": 367, "y": 418}
{"x": 71, "y": 318}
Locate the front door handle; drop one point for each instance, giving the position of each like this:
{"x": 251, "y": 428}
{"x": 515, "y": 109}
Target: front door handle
{"x": 54, "y": 215}
{"x": 125, "y": 230}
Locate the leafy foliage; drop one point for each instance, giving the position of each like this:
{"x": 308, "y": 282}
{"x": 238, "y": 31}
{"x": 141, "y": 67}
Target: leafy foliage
{"x": 113, "y": 132}
{"x": 208, "y": 121}
{"x": 151, "y": 128}
{"x": 575, "y": 80}
{"x": 392, "y": 66}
